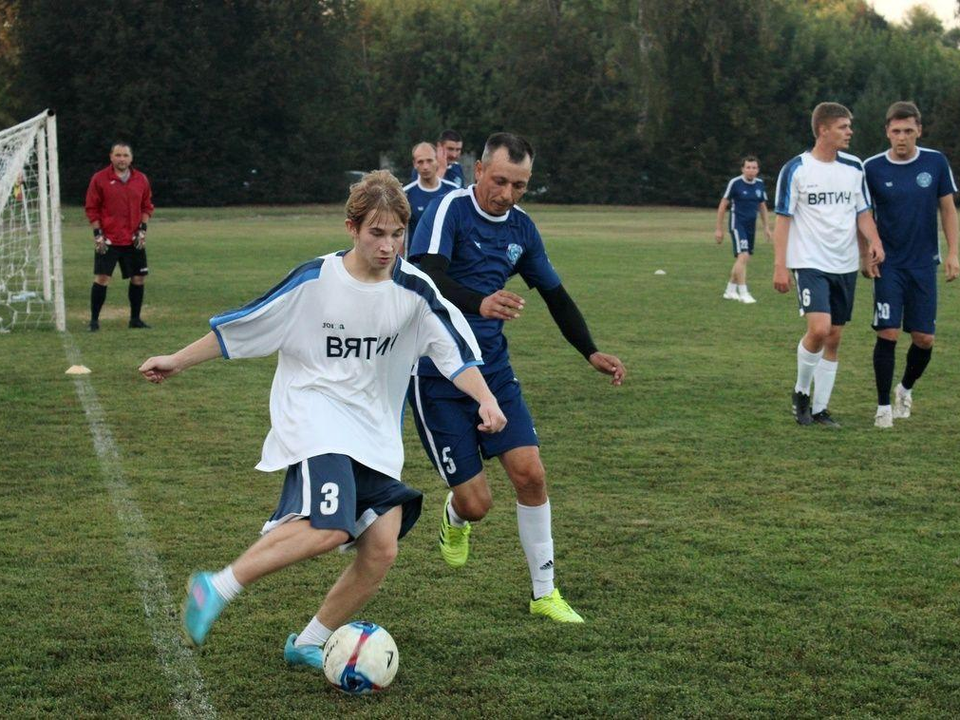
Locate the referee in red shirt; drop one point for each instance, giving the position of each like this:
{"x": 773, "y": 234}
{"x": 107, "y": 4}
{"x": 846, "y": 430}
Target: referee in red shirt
{"x": 118, "y": 206}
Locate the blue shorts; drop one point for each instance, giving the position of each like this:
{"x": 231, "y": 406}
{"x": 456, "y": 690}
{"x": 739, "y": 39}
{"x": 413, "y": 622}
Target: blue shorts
{"x": 907, "y": 296}
{"x": 447, "y": 420}
{"x": 832, "y": 293}
{"x": 742, "y": 235}
{"x": 335, "y": 492}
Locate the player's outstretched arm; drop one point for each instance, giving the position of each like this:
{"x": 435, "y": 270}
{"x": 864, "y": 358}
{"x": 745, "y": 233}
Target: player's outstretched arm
{"x": 948, "y": 218}
{"x": 159, "y": 368}
{"x": 472, "y": 383}
{"x": 781, "y": 276}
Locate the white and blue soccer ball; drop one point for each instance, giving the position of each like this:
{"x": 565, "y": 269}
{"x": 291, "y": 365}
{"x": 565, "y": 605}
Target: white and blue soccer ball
{"x": 360, "y": 658}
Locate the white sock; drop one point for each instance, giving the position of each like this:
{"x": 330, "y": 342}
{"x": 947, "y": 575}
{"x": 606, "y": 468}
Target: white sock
{"x": 537, "y": 543}
{"x": 315, "y": 633}
{"x": 886, "y": 409}
{"x": 823, "y": 378}
{"x": 731, "y": 287}
{"x": 742, "y": 289}
{"x": 807, "y": 363}
{"x": 226, "y": 583}
{"x": 906, "y": 391}
{"x": 452, "y": 516}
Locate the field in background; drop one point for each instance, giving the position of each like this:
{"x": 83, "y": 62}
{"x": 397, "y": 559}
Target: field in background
{"x": 728, "y": 562}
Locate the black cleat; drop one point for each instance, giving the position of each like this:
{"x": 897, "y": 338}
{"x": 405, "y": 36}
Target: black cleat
{"x": 138, "y": 323}
{"x": 94, "y": 325}
{"x": 801, "y": 408}
{"x": 823, "y": 418}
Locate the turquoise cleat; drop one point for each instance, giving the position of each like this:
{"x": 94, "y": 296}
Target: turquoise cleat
{"x": 202, "y": 606}
{"x": 309, "y": 655}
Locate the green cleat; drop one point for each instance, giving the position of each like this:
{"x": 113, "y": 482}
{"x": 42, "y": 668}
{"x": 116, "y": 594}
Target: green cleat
{"x": 555, "y": 607}
{"x": 454, "y": 541}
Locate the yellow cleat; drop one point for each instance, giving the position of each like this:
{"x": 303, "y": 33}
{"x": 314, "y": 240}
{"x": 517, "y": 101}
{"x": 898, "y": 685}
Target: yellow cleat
{"x": 555, "y": 607}
{"x": 454, "y": 541}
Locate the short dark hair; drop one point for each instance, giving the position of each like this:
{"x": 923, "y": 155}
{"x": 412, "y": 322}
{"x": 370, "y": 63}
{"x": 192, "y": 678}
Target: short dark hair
{"x": 903, "y": 110}
{"x": 121, "y": 143}
{"x": 827, "y": 112}
{"x": 518, "y": 148}
{"x": 451, "y": 135}
{"x": 750, "y": 158}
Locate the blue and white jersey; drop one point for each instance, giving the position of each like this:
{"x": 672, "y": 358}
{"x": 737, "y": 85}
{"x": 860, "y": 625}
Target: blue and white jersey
{"x": 345, "y": 349}
{"x": 823, "y": 199}
{"x": 454, "y": 174}
{"x": 484, "y": 252}
{"x": 906, "y": 197}
{"x": 419, "y": 197}
{"x": 745, "y": 199}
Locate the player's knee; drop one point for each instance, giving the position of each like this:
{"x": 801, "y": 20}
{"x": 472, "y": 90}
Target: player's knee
{"x": 922, "y": 340}
{"x": 322, "y": 540}
{"x": 380, "y": 556}
{"x": 102, "y": 280}
{"x": 529, "y": 479}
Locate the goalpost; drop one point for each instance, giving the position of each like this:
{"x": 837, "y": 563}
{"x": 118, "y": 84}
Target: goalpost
{"x": 31, "y": 257}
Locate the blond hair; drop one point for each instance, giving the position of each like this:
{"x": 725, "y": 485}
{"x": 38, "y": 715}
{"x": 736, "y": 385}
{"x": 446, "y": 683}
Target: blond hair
{"x": 374, "y": 193}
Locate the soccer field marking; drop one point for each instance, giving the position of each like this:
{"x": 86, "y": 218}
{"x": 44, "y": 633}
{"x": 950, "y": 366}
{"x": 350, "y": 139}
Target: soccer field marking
{"x": 163, "y": 615}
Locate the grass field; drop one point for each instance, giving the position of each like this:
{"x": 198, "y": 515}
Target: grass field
{"x": 728, "y": 562}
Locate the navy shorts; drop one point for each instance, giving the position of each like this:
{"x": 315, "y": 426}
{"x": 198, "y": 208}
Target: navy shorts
{"x": 742, "y": 235}
{"x": 132, "y": 261}
{"x": 907, "y": 296}
{"x": 335, "y": 492}
{"x": 819, "y": 291}
{"x": 447, "y": 420}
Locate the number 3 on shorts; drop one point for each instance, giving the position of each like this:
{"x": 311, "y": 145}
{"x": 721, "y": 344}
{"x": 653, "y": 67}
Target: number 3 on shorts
{"x": 330, "y": 502}
{"x": 448, "y": 462}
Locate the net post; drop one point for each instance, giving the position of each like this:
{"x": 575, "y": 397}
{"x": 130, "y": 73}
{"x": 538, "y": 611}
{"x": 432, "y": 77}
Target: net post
{"x": 59, "y": 311}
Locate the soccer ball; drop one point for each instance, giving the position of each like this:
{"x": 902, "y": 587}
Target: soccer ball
{"x": 360, "y": 658}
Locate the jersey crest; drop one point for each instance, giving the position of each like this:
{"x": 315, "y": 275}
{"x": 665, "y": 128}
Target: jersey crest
{"x": 514, "y": 252}
{"x": 924, "y": 179}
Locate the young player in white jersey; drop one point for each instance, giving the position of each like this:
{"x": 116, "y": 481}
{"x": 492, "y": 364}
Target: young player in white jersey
{"x": 347, "y": 328}
{"x": 822, "y": 202}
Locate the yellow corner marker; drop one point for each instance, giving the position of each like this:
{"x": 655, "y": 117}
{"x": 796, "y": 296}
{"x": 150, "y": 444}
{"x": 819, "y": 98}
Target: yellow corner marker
{"x": 78, "y": 370}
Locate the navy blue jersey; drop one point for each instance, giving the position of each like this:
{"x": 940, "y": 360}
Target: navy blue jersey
{"x": 419, "y": 197}
{"x": 484, "y": 252}
{"x": 906, "y": 198}
{"x": 454, "y": 174}
{"x": 745, "y": 199}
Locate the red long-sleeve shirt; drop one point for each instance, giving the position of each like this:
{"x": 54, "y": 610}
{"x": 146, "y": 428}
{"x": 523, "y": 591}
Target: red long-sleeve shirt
{"x": 118, "y": 206}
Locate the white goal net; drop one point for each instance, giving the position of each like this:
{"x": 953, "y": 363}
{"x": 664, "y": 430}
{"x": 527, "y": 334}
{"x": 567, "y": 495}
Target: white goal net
{"x": 31, "y": 262}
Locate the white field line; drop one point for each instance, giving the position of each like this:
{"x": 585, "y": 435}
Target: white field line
{"x": 163, "y": 615}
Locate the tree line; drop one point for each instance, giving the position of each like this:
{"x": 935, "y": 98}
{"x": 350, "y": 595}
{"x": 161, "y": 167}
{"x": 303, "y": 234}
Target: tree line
{"x": 626, "y": 101}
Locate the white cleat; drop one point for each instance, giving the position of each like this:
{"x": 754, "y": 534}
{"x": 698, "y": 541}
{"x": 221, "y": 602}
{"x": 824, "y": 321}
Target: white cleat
{"x": 747, "y": 299}
{"x": 902, "y": 402}
{"x": 730, "y": 295}
{"x": 884, "y": 417}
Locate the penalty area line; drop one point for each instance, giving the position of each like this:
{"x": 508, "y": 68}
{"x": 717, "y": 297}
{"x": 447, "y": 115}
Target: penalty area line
{"x": 163, "y": 615}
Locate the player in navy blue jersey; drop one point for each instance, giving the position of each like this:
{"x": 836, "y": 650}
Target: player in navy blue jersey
{"x": 425, "y": 188}
{"x": 449, "y": 146}
{"x": 745, "y": 196}
{"x": 909, "y": 184}
{"x": 470, "y": 243}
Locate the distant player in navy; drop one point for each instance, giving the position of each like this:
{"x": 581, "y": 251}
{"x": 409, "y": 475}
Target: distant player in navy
{"x": 471, "y": 242}
{"x": 745, "y": 196}
{"x": 908, "y": 185}
{"x": 449, "y": 147}
{"x": 822, "y": 202}
{"x": 426, "y": 187}
{"x": 347, "y": 328}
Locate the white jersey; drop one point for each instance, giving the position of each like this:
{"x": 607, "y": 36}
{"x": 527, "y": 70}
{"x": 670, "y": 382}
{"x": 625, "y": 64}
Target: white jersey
{"x": 823, "y": 199}
{"x": 345, "y": 352}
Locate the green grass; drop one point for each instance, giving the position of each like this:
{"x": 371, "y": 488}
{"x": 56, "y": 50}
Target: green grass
{"x": 728, "y": 562}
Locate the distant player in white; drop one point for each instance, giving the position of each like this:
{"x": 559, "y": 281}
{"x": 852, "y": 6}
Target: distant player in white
{"x": 347, "y": 328}
{"x": 822, "y": 201}
{"x": 745, "y": 195}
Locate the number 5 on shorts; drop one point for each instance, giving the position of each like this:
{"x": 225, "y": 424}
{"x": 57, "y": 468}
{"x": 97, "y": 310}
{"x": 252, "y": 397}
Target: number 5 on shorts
{"x": 448, "y": 462}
